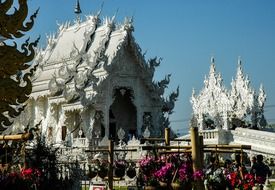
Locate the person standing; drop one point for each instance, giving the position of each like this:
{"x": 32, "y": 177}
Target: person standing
{"x": 253, "y": 160}
{"x": 260, "y": 169}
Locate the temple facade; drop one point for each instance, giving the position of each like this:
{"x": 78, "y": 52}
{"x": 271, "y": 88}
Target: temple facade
{"x": 92, "y": 80}
{"x": 217, "y": 107}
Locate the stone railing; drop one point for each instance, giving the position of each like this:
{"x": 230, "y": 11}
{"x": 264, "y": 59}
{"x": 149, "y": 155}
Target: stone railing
{"x": 262, "y": 142}
{"x": 84, "y": 142}
{"x": 215, "y": 136}
{"x": 95, "y": 141}
{"x": 80, "y": 142}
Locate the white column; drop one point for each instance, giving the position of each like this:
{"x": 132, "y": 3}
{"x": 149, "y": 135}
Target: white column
{"x": 86, "y": 117}
{"x": 200, "y": 122}
{"x": 38, "y": 111}
{"x": 51, "y": 118}
{"x": 225, "y": 122}
{"x": 91, "y": 124}
{"x": 60, "y": 122}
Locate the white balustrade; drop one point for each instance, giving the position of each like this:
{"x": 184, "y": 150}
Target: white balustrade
{"x": 80, "y": 142}
{"x": 261, "y": 141}
{"x": 213, "y": 136}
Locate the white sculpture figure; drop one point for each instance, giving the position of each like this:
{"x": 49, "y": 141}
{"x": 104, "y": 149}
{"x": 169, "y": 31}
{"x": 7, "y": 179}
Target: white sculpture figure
{"x": 146, "y": 133}
{"x": 121, "y": 135}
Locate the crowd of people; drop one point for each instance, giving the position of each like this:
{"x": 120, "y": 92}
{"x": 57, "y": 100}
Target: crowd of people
{"x": 258, "y": 169}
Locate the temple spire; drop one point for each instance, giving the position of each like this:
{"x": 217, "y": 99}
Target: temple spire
{"x": 239, "y": 73}
{"x": 239, "y": 60}
{"x": 212, "y": 60}
{"x": 77, "y": 10}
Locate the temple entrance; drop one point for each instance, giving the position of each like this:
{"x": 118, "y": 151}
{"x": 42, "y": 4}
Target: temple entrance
{"x": 123, "y": 113}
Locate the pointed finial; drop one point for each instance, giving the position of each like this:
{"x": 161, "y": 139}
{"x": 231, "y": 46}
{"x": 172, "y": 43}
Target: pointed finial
{"x": 239, "y": 60}
{"x": 77, "y": 9}
{"x": 212, "y": 60}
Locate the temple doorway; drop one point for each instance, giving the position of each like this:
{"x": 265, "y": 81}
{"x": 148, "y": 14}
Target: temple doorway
{"x": 123, "y": 113}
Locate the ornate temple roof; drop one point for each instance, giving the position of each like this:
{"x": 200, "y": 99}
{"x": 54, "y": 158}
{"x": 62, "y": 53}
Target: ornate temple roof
{"x": 214, "y": 100}
{"x": 241, "y": 95}
{"x": 80, "y": 47}
{"x": 80, "y": 57}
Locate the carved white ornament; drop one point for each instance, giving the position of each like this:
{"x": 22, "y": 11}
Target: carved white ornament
{"x": 216, "y": 102}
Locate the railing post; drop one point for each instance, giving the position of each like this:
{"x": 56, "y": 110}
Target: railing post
{"x": 196, "y": 157}
{"x": 201, "y": 150}
{"x": 167, "y": 136}
{"x": 111, "y": 157}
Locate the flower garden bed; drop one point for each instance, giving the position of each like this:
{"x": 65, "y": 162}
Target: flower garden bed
{"x": 168, "y": 171}
{"x": 175, "y": 171}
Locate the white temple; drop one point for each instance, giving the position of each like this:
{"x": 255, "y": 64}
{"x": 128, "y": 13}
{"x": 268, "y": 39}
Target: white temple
{"x": 92, "y": 79}
{"x": 228, "y": 108}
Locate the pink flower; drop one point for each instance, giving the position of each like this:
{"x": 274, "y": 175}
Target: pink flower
{"x": 198, "y": 175}
{"x": 185, "y": 172}
{"x": 27, "y": 172}
{"x": 165, "y": 172}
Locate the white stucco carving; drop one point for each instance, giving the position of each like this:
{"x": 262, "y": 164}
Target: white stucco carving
{"x": 217, "y": 103}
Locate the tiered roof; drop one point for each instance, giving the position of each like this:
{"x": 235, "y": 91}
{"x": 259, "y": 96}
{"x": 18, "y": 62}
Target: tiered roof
{"x": 79, "y": 57}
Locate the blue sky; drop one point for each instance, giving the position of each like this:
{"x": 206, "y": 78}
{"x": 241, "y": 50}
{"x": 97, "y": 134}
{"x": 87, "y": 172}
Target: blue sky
{"x": 186, "y": 33}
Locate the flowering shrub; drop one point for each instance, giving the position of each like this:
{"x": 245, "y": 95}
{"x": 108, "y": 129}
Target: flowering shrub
{"x": 220, "y": 178}
{"x": 26, "y": 179}
{"x": 198, "y": 175}
{"x": 247, "y": 182}
{"x": 165, "y": 173}
{"x": 185, "y": 173}
{"x": 148, "y": 166}
{"x": 32, "y": 176}
{"x": 171, "y": 168}
{"x": 215, "y": 179}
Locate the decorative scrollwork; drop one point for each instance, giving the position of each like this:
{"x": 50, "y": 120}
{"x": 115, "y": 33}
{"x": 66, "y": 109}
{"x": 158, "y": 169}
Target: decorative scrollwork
{"x": 169, "y": 104}
{"x": 152, "y": 64}
{"x": 163, "y": 84}
{"x": 13, "y": 24}
{"x": 70, "y": 94}
{"x": 55, "y": 86}
{"x": 128, "y": 24}
{"x": 15, "y": 70}
{"x": 12, "y": 60}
